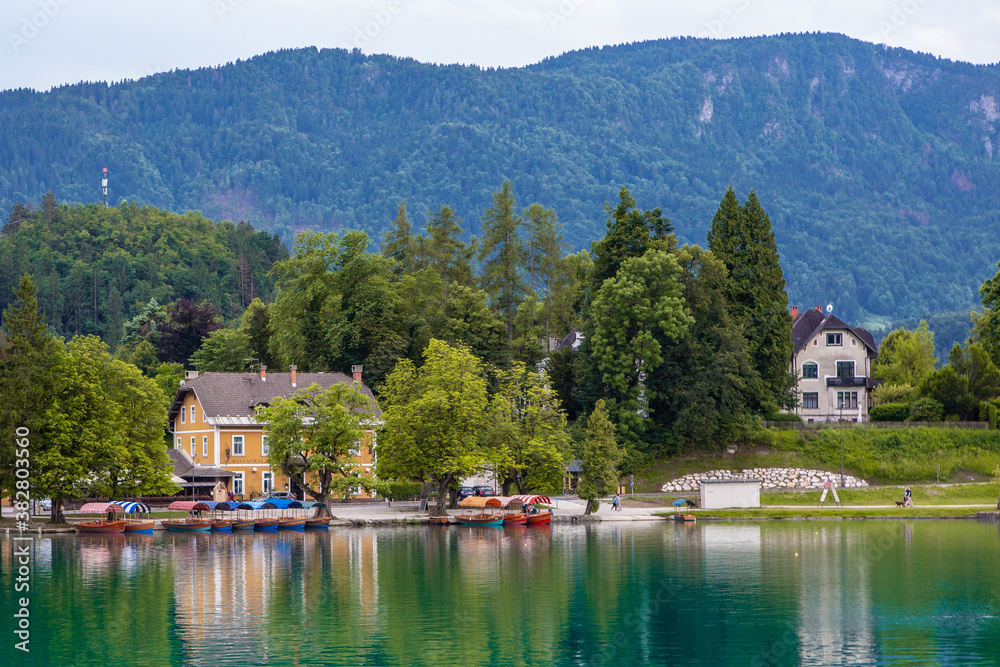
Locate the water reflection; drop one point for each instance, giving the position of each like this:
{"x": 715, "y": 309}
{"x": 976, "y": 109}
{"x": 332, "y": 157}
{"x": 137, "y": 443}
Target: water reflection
{"x": 802, "y": 593}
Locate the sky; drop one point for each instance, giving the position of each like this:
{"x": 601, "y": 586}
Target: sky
{"x": 49, "y": 43}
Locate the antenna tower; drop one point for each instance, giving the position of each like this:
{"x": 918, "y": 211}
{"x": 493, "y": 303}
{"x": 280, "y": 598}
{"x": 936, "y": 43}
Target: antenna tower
{"x": 104, "y": 186}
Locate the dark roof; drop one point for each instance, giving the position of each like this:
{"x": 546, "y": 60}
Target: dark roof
{"x": 570, "y": 339}
{"x": 811, "y": 322}
{"x": 186, "y": 469}
{"x": 237, "y": 394}
{"x": 576, "y": 465}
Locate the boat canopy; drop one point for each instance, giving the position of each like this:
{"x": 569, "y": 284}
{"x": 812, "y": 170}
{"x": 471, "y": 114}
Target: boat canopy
{"x": 285, "y": 503}
{"x": 532, "y": 500}
{"x": 135, "y": 508}
{"x": 510, "y": 503}
{"x": 257, "y": 505}
{"x": 309, "y": 504}
{"x": 481, "y": 501}
{"x": 188, "y": 505}
{"x": 101, "y": 508}
{"x": 219, "y": 505}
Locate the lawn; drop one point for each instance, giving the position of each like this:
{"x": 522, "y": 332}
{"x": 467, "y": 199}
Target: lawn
{"x": 835, "y": 513}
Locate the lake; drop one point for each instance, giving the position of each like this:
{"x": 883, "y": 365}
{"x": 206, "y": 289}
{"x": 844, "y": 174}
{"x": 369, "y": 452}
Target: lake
{"x": 772, "y": 593}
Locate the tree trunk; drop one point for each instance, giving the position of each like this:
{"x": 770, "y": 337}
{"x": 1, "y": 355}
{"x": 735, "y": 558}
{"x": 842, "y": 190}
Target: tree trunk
{"x": 505, "y": 486}
{"x": 592, "y": 506}
{"x": 56, "y": 515}
{"x": 442, "y": 497}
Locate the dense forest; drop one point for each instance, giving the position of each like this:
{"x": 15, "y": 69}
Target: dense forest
{"x": 97, "y": 267}
{"x": 879, "y": 166}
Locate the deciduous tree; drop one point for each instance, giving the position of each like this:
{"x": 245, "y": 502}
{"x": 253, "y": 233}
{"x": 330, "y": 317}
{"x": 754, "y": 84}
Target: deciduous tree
{"x": 601, "y": 457}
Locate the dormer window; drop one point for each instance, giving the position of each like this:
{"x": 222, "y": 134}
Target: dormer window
{"x": 834, "y": 339}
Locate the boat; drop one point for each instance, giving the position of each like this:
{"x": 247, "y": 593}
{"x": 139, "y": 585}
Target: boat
{"x": 220, "y": 524}
{"x": 536, "y": 517}
{"x": 285, "y": 521}
{"x": 439, "y": 520}
{"x": 109, "y": 523}
{"x": 684, "y": 517}
{"x": 194, "y": 521}
{"x": 513, "y": 511}
{"x": 481, "y": 518}
{"x": 142, "y": 525}
{"x": 262, "y": 522}
{"x": 243, "y": 522}
{"x": 317, "y": 522}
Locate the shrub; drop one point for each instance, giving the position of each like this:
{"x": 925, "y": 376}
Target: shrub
{"x": 893, "y": 393}
{"x": 889, "y": 412}
{"x": 926, "y": 410}
{"x": 787, "y": 417}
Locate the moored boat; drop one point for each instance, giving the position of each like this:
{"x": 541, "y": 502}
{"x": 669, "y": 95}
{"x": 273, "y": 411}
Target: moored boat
{"x": 320, "y": 518}
{"x": 194, "y": 521}
{"x": 142, "y": 524}
{"x": 513, "y": 511}
{"x": 289, "y": 521}
{"x": 535, "y": 516}
{"x": 262, "y": 522}
{"x": 220, "y": 524}
{"x": 439, "y": 520}
{"x": 108, "y": 523}
{"x": 482, "y": 517}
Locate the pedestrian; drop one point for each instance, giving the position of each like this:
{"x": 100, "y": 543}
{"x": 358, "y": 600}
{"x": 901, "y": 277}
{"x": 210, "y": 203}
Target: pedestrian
{"x": 907, "y": 498}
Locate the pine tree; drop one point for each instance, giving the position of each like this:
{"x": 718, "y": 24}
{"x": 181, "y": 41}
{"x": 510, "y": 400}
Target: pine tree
{"x": 399, "y": 244}
{"x": 503, "y": 255}
{"x": 444, "y": 251}
{"x": 742, "y": 238}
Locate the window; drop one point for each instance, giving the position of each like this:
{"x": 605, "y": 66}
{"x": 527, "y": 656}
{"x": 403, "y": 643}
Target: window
{"x": 204, "y": 446}
{"x": 845, "y": 369}
{"x": 810, "y": 400}
{"x": 178, "y": 446}
{"x": 810, "y": 370}
{"x": 237, "y": 445}
{"x": 194, "y": 452}
{"x": 192, "y": 414}
{"x": 847, "y": 400}
{"x": 834, "y": 339}
{"x": 183, "y": 415}
{"x": 265, "y": 448}
{"x": 266, "y": 482}
{"x": 238, "y": 484}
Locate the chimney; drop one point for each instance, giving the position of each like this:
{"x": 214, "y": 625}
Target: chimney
{"x": 356, "y": 373}
{"x": 795, "y": 312}
{"x": 190, "y": 375}
{"x": 292, "y": 369}
{"x": 263, "y": 373}
{"x": 819, "y": 308}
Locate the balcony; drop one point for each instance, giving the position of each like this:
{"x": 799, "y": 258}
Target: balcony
{"x": 846, "y": 382}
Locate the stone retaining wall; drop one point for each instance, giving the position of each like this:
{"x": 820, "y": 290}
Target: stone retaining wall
{"x": 773, "y": 478}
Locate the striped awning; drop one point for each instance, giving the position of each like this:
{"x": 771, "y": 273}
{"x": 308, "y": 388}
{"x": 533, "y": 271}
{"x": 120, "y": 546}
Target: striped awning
{"x": 135, "y": 508}
{"x": 187, "y": 506}
{"x": 101, "y": 508}
{"x": 532, "y": 500}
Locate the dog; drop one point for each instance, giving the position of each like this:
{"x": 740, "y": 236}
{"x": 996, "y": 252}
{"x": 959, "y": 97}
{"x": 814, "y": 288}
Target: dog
{"x": 900, "y": 503}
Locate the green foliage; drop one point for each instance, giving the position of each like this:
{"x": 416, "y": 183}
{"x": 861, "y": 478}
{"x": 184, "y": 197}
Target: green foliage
{"x": 968, "y": 379}
{"x": 785, "y": 417}
{"x": 742, "y": 238}
{"x": 503, "y": 255}
{"x": 223, "y": 350}
{"x": 926, "y": 409}
{"x": 893, "y": 393}
{"x": 311, "y": 434}
{"x": 905, "y": 357}
{"x": 601, "y": 457}
{"x": 433, "y": 416}
{"x": 393, "y": 489}
{"x": 97, "y": 268}
{"x": 889, "y": 412}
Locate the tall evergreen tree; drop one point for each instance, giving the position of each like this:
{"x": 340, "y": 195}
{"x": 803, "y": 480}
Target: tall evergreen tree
{"x": 444, "y": 251}
{"x": 631, "y": 233}
{"x": 742, "y": 238}
{"x": 503, "y": 255}
{"x": 399, "y": 243}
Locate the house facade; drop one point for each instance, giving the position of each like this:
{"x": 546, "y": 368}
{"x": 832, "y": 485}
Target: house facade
{"x": 833, "y": 363}
{"x": 212, "y": 421}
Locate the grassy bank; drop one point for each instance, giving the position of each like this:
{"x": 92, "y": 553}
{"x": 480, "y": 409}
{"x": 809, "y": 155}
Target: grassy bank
{"x": 836, "y": 513}
{"x": 880, "y": 456}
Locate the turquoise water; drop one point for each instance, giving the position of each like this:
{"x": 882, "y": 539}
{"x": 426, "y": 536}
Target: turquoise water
{"x": 775, "y": 593}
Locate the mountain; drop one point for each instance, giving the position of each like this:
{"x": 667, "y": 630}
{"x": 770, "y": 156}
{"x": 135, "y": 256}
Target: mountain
{"x": 880, "y": 167}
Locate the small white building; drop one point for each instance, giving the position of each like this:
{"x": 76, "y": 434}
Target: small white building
{"x": 730, "y": 493}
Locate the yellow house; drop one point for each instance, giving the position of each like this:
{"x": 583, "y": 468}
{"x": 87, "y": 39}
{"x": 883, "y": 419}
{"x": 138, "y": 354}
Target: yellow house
{"x": 212, "y": 420}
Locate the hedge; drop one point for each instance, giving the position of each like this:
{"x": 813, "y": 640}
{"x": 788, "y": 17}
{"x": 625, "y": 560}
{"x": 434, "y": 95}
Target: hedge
{"x": 889, "y": 412}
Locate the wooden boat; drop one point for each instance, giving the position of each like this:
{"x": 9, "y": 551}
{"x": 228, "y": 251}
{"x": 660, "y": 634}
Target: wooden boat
{"x": 266, "y": 524}
{"x": 243, "y": 521}
{"x": 244, "y": 524}
{"x": 108, "y": 523}
{"x": 513, "y": 511}
{"x": 481, "y": 518}
{"x": 685, "y": 517}
{"x": 194, "y": 522}
{"x": 220, "y": 524}
{"x": 440, "y": 520}
{"x": 536, "y": 517}
{"x": 289, "y": 521}
{"x": 262, "y": 523}
{"x": 142, "y": 525}
{"x": 316, "y": 521}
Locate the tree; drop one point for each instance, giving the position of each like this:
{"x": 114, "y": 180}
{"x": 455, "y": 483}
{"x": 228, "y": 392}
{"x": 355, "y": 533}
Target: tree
{"x": 601, "y": 457}
{"x": 969, "y": 378}
{"x": 503, "y": 255}
{"x": 256, "y": 325}
{"x": 526, "y": 431}
{"x": 742, "y": 238}
{"x": 399, "y": 245}
{"x": 29, "y": 357}
{"x": 444, "y": 251}
{"x": 223, "y": 350}
{"x": 311, "y": 435}
{"x": 145, "y": 326}
{"x": 630, "y": 233}
{"x": 905, "y": 357}
{"x": 634, "y": 314}
{"x": 433, "y": 416}
{"x": 186, "y": 326}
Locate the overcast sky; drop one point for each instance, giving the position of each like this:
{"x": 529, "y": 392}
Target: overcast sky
{"x": 54, "y": 42}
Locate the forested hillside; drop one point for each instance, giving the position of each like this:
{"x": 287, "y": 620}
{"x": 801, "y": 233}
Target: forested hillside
{"x": 97, "y": 267}
{"x": 880, "y": 168}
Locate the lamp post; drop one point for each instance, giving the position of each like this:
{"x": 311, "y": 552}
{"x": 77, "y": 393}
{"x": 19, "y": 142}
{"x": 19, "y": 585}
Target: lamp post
{"x": 840, "y": 401}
